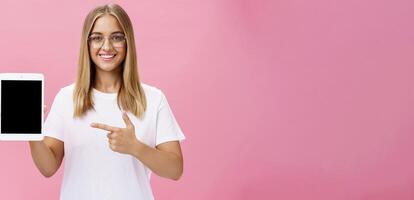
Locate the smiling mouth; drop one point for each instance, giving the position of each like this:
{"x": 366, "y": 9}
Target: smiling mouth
{"x": 107, "y": 57}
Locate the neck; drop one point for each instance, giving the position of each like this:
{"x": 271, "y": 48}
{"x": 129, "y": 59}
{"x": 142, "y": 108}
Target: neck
{"x": 108, "y": 82}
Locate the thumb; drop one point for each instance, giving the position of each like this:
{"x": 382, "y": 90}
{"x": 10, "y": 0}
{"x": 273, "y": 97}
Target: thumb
{"x": 45, "y": 109}
{"x": 127, "y": 120}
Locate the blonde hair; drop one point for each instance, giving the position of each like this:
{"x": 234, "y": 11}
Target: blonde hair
{"x": 131, "y": 95}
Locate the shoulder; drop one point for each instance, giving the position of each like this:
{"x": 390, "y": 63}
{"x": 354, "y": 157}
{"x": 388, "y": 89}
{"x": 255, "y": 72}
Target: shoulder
{"x": 66, "y": 91}
{"x": 65, "y": 95}
{"x": 152, "y": 92}
{"x": 154, "y": 95}
{"x": 63, "y": 100}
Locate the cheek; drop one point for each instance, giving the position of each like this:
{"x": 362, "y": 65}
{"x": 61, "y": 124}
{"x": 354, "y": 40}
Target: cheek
{"x": 122, "y": 54}
{"x": 93, "y": 54}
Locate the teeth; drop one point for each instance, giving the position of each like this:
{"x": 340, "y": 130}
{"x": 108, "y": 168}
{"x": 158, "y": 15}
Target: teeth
{"x": 107, "y": 55}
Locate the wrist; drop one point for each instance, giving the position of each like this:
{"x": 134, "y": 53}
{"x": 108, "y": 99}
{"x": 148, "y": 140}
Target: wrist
{"x": 137, "y": 148}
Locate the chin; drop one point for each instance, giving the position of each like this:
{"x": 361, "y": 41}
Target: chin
{"x": 107, "y": 68}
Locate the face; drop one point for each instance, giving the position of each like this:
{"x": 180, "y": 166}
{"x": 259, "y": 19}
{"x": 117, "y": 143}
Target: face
{"x": 107, "y": 44}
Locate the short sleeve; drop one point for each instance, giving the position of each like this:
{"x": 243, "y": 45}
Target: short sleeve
{"x": 167, "y": 128}
{"x": 53, "y": 126}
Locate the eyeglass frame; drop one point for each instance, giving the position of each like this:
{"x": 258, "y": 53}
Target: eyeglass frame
{"x": 104, "y": 40}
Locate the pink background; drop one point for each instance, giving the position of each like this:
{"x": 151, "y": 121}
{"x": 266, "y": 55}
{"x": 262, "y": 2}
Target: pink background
{"x": 288, "y": 99}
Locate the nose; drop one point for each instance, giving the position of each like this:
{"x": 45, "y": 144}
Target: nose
{"x": 106, "y": 45}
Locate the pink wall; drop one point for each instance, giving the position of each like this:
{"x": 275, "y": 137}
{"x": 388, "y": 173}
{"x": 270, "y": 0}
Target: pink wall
{"x": 284, "y": 100}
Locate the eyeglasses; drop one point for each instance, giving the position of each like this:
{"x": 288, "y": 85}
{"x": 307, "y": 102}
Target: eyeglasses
{"x": 97, "y": 41}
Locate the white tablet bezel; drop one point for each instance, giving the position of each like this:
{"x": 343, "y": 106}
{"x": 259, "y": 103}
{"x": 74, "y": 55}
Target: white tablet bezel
{"x": 23, "y": 76}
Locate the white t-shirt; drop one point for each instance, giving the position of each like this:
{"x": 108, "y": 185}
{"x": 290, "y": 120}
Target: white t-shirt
{"x": 92, "y": 171}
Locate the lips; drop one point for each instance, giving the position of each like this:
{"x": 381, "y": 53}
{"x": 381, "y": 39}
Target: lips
{"x": 107, "y": 57}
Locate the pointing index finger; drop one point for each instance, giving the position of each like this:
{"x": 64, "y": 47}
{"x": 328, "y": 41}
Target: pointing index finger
{"x": 104, "y": 127}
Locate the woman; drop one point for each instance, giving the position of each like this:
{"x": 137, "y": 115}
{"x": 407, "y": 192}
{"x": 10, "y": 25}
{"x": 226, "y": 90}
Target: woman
{"x": 111, "y": 129}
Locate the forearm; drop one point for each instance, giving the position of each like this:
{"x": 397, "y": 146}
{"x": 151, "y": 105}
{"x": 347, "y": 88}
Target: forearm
{"x": 164, "y": 164}
{"x": 43, "y": 158}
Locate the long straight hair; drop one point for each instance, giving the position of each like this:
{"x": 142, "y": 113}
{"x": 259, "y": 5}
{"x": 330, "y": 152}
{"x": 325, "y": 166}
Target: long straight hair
{"x": 131, "y": 95}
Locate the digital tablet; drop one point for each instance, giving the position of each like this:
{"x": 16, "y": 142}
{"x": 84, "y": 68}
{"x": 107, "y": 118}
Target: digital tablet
{"x": 21, "y": 106}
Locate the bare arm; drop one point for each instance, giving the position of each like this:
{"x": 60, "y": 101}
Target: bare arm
{"x": 47, "y": 155}
{"x": 165, "y": 160}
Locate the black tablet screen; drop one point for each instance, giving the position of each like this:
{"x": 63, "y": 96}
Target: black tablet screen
{"x": 21, "y": 108}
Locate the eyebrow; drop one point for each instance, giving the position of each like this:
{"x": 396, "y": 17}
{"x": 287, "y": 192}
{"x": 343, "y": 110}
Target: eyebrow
{"x": 98, "y": 33}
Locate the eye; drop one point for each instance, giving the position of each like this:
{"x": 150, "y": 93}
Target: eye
{"x": 95, "y": 38}
{"x": 118, "y": 38}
